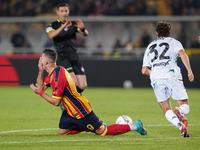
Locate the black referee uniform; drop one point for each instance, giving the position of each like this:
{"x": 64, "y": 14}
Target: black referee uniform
{"x": 65, "y": 44}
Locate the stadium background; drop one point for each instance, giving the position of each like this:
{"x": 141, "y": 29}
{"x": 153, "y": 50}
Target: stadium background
{"x": 106, "y": 64}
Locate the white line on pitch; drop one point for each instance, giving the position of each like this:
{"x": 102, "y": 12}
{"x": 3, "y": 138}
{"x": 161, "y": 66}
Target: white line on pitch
{"x": 89, "y": 140}
{"x": 163, "y": 125}
{"x": 29, "y": 130}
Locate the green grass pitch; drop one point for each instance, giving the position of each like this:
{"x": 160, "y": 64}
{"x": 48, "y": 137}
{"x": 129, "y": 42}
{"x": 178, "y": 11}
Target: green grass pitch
{"x": 29, "y": 122}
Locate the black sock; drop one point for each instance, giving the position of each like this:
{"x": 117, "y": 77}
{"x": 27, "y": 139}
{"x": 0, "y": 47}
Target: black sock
{"x": 79, "y": 90}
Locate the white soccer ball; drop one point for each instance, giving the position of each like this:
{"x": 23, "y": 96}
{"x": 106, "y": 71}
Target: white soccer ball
{"x": 124, "y": 120}
{"x": 127, "y": 84}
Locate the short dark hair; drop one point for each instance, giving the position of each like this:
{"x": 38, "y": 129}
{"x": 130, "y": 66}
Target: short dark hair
{"x": 163, "y": 29}
{"x": 62, "y": 5}
{"x": 51, "y": 54}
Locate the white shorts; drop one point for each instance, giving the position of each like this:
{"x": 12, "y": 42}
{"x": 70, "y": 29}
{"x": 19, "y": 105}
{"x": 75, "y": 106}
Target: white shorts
{"x": 164, "y": 88}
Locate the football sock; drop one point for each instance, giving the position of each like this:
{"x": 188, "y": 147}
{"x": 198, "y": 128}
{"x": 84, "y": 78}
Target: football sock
{"x": 116, "y": 129}
{"x": 173, "y": 119}
{"x": 75, "y": 130}
{"x": 184, "y": 109}
{"x": 79, "y": 90}
{"x": 133, "y": 127}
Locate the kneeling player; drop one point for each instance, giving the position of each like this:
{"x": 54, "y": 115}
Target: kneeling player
{"x": 78, "y": 115}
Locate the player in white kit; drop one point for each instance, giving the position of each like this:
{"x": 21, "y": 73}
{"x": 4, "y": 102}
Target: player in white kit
{"x": 160, "y": 64}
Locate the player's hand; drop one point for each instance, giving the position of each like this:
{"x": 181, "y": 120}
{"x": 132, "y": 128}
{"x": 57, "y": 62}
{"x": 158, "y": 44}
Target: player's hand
{"x": 36, "y": 88}
{"x": 79, "y": 24}
{"x": 68, "y": 23}
{"x": 40, "y": 66}
{"x": 191, "y": 76}
{"x": 199, "y": 38}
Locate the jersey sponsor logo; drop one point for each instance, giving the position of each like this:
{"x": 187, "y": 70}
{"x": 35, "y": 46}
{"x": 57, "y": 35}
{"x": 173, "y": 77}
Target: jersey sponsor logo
{"x": 161, "y": 64}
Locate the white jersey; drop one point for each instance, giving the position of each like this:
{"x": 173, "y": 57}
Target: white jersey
{"x": 161, "y": 56}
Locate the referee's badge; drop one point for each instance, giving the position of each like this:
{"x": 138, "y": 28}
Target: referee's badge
{"x": 66, "y": 29}
{"x": 82, "y": 69}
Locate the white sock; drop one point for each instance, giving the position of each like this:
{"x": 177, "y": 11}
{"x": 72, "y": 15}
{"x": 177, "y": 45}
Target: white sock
{"x": 184, "y": 109}
{"x": 133, "y": 127}
{"x": 173, "y": 119}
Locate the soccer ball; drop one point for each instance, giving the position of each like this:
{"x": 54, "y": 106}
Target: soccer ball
{"x": 124, "y": 120}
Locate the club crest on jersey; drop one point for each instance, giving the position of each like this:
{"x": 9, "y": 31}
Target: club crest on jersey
{"x": 66, "y": 29}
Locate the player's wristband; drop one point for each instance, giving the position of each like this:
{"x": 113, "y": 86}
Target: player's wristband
{"x": 83, "y": 29}
{"x": 41, "y": 92}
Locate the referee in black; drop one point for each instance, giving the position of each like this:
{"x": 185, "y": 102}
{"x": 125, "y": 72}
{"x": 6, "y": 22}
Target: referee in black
{"x": 63, "y": 32}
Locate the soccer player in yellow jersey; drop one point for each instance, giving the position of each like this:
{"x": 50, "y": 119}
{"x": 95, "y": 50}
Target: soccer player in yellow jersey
{"x": 78, "y": 115}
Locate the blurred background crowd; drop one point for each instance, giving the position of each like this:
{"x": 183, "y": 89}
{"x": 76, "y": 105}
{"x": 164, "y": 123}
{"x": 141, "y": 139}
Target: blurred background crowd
{"x": 108, "y": 38}
{"x": 101, "y": 7}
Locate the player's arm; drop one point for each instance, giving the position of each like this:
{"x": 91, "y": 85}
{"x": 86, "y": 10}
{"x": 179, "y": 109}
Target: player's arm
{"x": 38, "y": 90}
{"x": 40, "y": 81}
{"x": 53, "y": 33}
{"x": 186, "y": 62}
{"x": 54, "y": 101}
{"x": 80, "y": 27}
{"x": 146, "y": 71}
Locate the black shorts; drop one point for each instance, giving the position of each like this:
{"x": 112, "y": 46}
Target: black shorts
{"x": 90, "y": 122}
{"x": 71, "y": 63}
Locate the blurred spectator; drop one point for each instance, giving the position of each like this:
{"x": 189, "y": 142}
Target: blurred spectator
{"x": 80, "y": 41}
{"x": 129, "y": 45}
{"x": 164, "y": 8}
{"x": 182, "y": 37}
{"x": 4, "y": 9}
{"x": 98, "y": 8}
{"x": 195, "y": 42}
{"x": 49, "y": 44}
{"x": 137, "y": 45}
{"x": 98, "y": 45}
{"x": 29, "y": 9}
{"x": 145, "y": 39}
{"x": 101, "y": 7}
{"x": 20, "y": 42}
{"x": 116, "y": 48}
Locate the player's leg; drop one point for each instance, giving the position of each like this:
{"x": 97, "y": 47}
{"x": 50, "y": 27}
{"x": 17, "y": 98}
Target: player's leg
{"x": 67, "y": 125}
{"x": 79, "y": 71}
{"x": 116, "y": 129}
{"x": 169, "y": 114}
{"x": 162, "y": 90}
{"x": 70, "y": 131}
{"x": 82, "y": 82}
{"x": 182, "y": 110}
{"x": 63, "y": 131}
{"x": 172, "y": 118}
{"x": 73, "y": 76}
{"x": 180, "y": 95}
{"x": 183, "y": 105}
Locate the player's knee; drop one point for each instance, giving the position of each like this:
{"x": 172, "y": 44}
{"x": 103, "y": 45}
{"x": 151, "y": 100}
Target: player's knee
{"x": 60, "y": 133}
{"x": 185, "y": 109}
{"x": 82, "y": 85}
